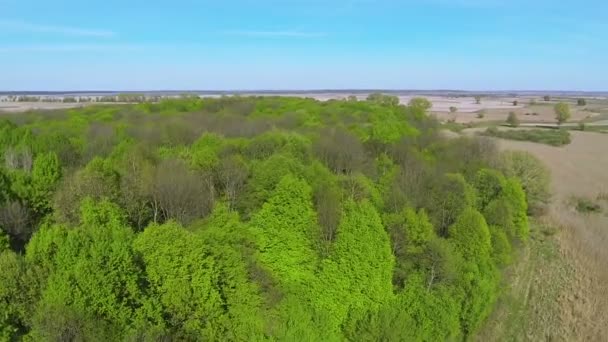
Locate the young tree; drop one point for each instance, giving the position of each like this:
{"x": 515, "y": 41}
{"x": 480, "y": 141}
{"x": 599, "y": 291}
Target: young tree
{"x": 581, "y": 102}
{"x": 515, "y": 103}
{"x": 562, "y": 112}
{"x": 512, "y": 119}
{"x": 453, "y": 109}
{"x": 547, "y": 98}
{"x": 478, "y": 99}
{"x": 420, "y": 103}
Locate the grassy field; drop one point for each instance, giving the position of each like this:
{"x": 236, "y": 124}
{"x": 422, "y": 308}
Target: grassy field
{"x": 529, "y": 308}
{"x": 553, "y": 137}
{"x": 559, "y": 290}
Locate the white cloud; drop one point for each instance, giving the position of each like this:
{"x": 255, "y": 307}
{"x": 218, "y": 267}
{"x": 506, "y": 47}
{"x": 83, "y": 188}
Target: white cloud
{"x": 276, "y": 34}
{"x": 16, "y": 25}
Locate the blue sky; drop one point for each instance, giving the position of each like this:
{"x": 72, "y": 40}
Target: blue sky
{"x": 300, "y": 44}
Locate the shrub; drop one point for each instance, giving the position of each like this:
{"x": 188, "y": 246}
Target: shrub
{"x": 587, "y": 206}
{"x": 512, "y": 119}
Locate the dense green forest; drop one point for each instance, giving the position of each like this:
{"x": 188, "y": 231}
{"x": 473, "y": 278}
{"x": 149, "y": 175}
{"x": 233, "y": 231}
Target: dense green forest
{"x": 244, "y": 218}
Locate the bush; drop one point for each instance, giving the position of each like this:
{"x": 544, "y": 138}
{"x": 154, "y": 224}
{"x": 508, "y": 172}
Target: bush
{"x": 512, "y": 119}
{"x": 544, "y": 136}
{"x": 582, "y": 126}
{"x": 587, "y": 206}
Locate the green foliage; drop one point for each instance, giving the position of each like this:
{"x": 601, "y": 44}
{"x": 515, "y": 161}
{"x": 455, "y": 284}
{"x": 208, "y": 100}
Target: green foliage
{"x": 448, "y": 197}
{"x": 586, "y": 206}
{"x": 553, "y": 137}
{"x": 4, "y": 241}
{"x": 471, "y": 237}
{"x": 489, "y": 184}
{"x": 562, "y": 112}
{"x": 516, "y": 196}
{"x": 253, "y": 218}
{"x": 356, "y": 279}
{"x": 385, "y": 100}
{"x": 46, "y": 172}
{"x": 14, "y": 312}
{"x": 284, "y": 227}
{"x": 501, "y": 247}
{"x": 533, "y": 175}
{"x": 92, "y": 269}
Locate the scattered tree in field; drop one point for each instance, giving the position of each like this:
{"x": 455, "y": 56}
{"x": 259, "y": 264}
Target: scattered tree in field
{"x": 512, "y": 119}
{"x": 515, "y": 103}
{"x": 547, "y": 98}
{"x": 453, "y": 109}
{"x": 386, "y": 100}
{"x": 562, "y": 112}
{"x": 581, "y": 102}
{"x": 478, "y": 99}
{"x": 481, "y": 114}
{"x": 420, "y": 103}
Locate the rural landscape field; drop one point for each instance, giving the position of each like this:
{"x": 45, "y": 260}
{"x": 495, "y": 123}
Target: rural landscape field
{"x": 303, "y": 170}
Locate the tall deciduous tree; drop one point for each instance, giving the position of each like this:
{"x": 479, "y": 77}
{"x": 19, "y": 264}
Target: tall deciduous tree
{"x": 284, "y": 227}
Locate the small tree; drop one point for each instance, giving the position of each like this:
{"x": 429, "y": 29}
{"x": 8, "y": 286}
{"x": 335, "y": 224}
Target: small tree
{"x": 562, "y": 112}
{"x": 515, "y": 103}
{"x": 512, "y": 119}
{"x": 581, "y": 102}
{"x": 453, "y": 109}
{"x": 478, "y": 99}
{"x": 547, "y": 98}
{"x": 481, "y": 114}
{"x": 420, "y": 103}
